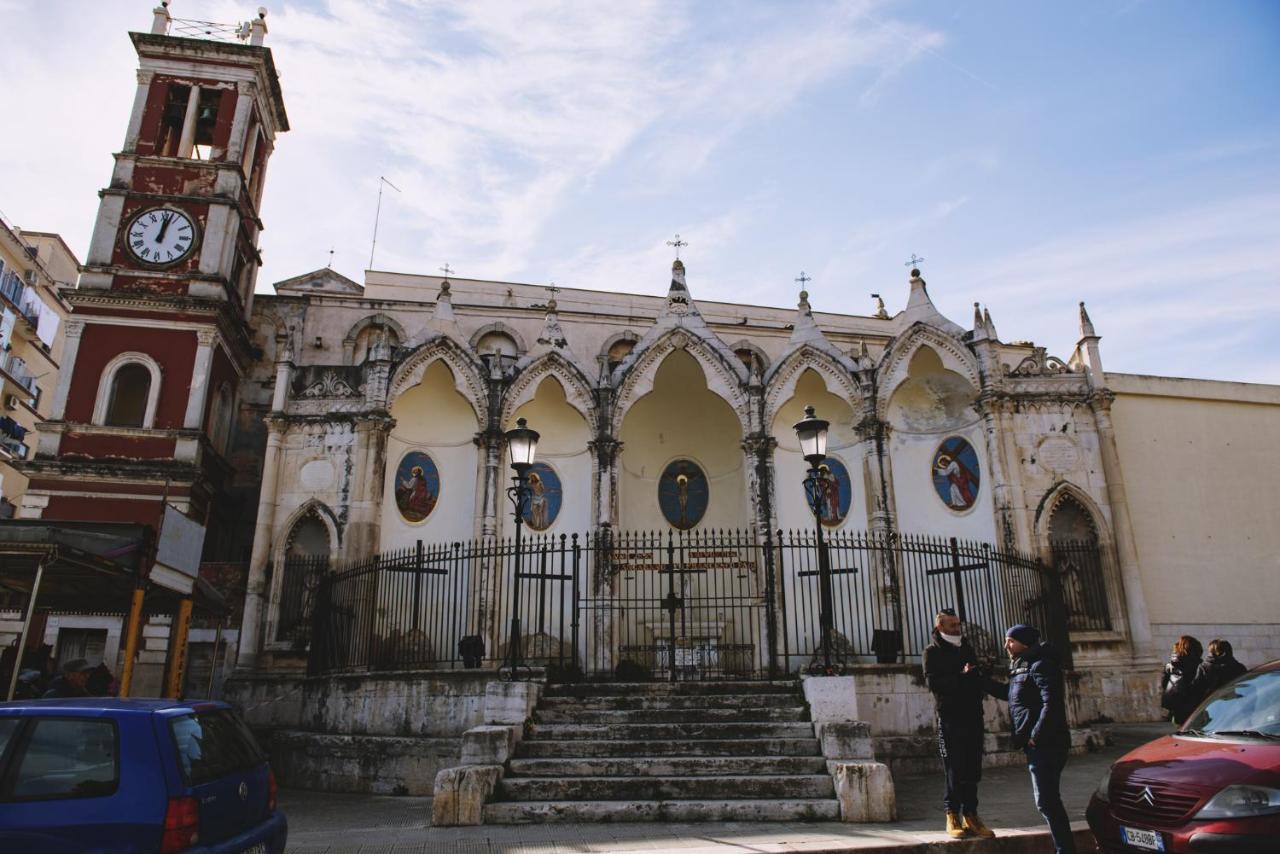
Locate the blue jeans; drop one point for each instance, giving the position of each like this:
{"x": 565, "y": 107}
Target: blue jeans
{"x": 1046, "y": 764}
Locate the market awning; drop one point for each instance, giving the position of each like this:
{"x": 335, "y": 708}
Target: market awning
{"x": 88, "y": 566}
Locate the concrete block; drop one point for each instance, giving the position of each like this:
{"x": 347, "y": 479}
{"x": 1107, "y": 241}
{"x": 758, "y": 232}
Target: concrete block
{"x": 459, "y": 794}
{"x": 865, "y": 791}
{"x": 844, "y": 740}
{"x": 831, "y": 698}
{"x": 489, "y": 745}
{"x": 510, "y": 703}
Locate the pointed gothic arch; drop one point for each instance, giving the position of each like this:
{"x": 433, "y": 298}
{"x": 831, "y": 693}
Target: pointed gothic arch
{"x": 895, "y": 363}
{"x": 780, "y": 381}
{"x": 524, "y": 388}
{"x": 1076, "y": 542}
{"x": 296, "y": 575}
{"x": 463, "y": 366}
{"x": 724, "y": 378}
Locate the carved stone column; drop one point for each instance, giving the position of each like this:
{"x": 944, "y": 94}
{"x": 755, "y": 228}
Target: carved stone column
{"x": 1006, "y": 484}
{"x": 364, "y": 530}
{"x": 1126, "y": 546}
{"x": 255, "y": 588}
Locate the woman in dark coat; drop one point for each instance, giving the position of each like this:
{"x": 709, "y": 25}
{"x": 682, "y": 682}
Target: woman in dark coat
{"x": 1219, "y": 668}
{"x": 1177, "y": 684}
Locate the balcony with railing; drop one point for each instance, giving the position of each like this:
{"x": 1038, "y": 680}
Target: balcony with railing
{"x": 15, "y": 370}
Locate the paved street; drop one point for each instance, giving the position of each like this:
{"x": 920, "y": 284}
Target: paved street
{"x": 322, "y": 823}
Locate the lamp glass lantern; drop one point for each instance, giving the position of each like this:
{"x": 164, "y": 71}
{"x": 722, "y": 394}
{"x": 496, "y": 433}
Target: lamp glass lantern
{"x": 522, "y": 444}
{"x": 812, "y": 433}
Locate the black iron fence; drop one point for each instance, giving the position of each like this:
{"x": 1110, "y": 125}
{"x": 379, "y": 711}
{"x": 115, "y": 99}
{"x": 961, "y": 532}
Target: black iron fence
{"x": 301, "y": 576}
{"x": 670, "y": 605}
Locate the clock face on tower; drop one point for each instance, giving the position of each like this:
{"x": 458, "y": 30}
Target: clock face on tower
{"x": 160, "y": 236}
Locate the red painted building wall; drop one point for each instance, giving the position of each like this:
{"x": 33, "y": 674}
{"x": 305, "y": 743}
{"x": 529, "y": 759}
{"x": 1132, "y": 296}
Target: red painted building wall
{"x": 173, "y": 349}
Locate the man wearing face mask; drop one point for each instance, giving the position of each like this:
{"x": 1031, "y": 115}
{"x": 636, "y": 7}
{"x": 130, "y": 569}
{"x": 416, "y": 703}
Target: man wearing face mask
{"x": 951, "y": 671}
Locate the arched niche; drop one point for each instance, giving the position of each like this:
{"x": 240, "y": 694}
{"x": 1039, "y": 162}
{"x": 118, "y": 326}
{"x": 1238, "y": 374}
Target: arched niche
{"x": 1079, "y": 550}
{"x": 932, "y": 398}
{"x": 301, "y": 558}
{"x": 681, "y": 418}
{"x": 790, "y": 468}
{"x": 562, "y": 445}
{"x": 435, "y": 419}
{"x": 932, "y": 414}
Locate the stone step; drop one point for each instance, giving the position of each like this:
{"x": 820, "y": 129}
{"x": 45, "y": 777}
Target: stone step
{"x": 664, "y": 788}
{"x": 665, "y": 732}
{"x": 772, "y": 809}
{"x": 546, "y": 748}
{"x": 685, "y": 689}
{"x": 642, "y": 716}
{"x": 663, "y": 766}
{"x": 673, "y": 701}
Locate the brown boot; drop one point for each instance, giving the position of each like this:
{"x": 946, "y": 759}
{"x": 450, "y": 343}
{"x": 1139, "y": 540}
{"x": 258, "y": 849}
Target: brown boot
{"x": 974, "y": 825}
{"x": 955, "y": 828}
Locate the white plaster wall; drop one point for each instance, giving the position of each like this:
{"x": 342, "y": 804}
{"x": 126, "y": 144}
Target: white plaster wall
{"x": 433, "y": 417}
{"x": 681, "y": 418}
{"x": 562, "y": 445}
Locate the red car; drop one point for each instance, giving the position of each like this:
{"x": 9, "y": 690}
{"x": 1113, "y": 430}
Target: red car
{"x": 1214, "y": 785}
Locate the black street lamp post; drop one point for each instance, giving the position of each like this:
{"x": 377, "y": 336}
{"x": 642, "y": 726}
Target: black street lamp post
{"x": 522, "y": 443}
{"x": 812, "y": 433}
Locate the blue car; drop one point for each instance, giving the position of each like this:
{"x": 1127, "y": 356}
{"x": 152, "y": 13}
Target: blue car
{"x": 104, "y": 775}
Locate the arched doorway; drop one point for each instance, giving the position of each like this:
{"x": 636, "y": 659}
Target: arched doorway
{"x": 1077, "y": 557}
{"x": 304, "y": 562}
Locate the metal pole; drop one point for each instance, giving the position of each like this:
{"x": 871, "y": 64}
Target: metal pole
{"x": 26, "y": 627}
{"x": 178, "y": 634}
{"x": 825, "y": 616}
{"x": 213, "y": 662}
{"x": 132, "y": 628}
{"x": 515, "y": 641}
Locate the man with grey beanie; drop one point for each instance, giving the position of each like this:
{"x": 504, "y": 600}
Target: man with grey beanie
{"x": 1039, "y": 713}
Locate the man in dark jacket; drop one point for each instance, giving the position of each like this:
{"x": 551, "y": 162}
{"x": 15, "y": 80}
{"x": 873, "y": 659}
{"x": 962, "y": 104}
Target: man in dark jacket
{"x": 1038, "y": 709}
{"x": 72, "y": 682}
{"x": 952, "y": 674}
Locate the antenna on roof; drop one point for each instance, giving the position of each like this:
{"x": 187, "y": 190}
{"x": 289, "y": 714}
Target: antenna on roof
{"x": 378, "y": 215}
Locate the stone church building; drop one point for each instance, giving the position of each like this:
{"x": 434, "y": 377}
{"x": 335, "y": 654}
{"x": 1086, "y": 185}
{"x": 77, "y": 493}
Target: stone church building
{"x": 337, "y": 431}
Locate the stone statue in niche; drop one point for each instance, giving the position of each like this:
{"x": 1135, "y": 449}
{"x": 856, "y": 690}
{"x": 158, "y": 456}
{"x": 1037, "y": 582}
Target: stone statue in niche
{"x": 955, "y": 473}
{"x": 544, "y": 497}
{"x": 417, "y": 486}
{"x": 683, "y": 493}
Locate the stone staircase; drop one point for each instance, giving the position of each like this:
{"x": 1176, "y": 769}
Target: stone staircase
{"x": 688, "y": 751}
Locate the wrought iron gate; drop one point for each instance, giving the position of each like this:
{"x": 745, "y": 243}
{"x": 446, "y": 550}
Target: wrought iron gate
{"x": 672, "y": 605}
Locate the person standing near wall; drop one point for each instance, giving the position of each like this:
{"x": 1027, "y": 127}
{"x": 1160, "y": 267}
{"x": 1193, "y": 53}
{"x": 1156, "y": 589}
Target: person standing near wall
{"x": 951, "y": 671}
{"x": 1038, "y": 709}
{"x": 1219, "y": 668}
{"x": 1177, "y": 684}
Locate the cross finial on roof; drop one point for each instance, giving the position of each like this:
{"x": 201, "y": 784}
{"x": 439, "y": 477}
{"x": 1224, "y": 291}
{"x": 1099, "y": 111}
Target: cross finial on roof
{"x": 677, "y": 243}
{"x": 803, "y": 279}
{"x": 446, "y": 269}
{"x": 914, "y": 264}
{"x": 330, "y": 264}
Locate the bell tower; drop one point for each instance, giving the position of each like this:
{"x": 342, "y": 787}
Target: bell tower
{"x": 158, "y": 338}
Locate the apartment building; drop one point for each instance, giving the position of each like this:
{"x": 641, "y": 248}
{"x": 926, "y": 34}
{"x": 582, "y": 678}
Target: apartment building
{"x": 33, "y": 266}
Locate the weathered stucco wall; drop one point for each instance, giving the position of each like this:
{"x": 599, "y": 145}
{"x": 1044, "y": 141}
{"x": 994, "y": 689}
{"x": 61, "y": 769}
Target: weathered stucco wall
{"x": 1201, "y": 470}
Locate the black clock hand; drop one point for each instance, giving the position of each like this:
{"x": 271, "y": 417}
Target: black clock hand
{"x": 165, "y": 219}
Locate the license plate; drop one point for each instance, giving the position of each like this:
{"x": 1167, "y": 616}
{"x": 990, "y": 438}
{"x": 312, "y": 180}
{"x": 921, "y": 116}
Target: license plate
{"x": 260, "y": 848}
{"x": 1148, "y": 839}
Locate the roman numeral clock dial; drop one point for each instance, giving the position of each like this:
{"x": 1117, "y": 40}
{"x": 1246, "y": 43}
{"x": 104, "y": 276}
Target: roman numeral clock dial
{"x": 161, "y": 236}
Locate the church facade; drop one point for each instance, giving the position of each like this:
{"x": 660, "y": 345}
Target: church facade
{"x": 336, "y": 421}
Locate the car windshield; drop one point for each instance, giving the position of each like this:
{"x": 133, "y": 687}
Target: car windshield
{"x": 213, "y": 744}
{"x": 1250, "y": 706}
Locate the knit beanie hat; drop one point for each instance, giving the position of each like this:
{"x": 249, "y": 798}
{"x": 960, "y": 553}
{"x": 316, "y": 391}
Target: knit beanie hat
{"x": 1024, "y": 634}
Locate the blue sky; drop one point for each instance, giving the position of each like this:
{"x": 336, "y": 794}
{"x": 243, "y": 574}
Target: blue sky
{"x": 1036, "y": 154}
